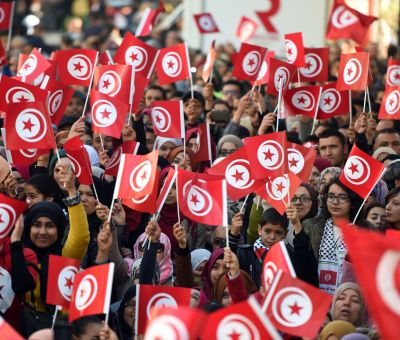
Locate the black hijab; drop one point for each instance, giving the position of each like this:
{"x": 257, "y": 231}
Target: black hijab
{"x": 125, "y": 330}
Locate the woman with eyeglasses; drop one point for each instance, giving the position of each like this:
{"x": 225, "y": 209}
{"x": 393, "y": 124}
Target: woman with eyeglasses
{"x": 338, "y": 203}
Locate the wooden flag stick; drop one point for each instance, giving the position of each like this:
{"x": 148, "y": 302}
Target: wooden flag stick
{"x": 365, "y": 98}
{"x": 8, "y": 45}
{"x": 211, "y": 75}
{"x": 244, "y": 203}
{"x": 90, "y": 85}
{"x": 278, "y": 107}
{"x": 55, "y": 316}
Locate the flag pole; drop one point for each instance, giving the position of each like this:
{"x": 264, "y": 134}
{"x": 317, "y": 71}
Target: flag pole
{"x": 369, "y": 193}
{"x": 10, "y": 27}
{"x": 278, "y": 107}
{"x": 90, "y": 85}
{"x": 271, "y": 290}
{"x": 244, "y": 203}
{"x": 369, "y": 100}
{"x": 365, "y": 98}
{"x": 101, "y": 142}
{"x": 350, "y": 109}
{"x": 211, "y": 75}
{"x": 316, "y": 111}
{"x": 58, "y": 307}
{"x": 177, "y": 200}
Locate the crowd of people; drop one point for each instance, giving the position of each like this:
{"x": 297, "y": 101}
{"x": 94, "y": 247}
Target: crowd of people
{"x": 65, "y": 218}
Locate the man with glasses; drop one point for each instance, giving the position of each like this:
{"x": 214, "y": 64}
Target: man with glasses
{"x": 232, "y": 92}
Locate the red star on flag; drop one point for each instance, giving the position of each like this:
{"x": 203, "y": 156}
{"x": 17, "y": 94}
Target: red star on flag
{"x": 170, "y": 64}
{"x": 106, "y": 84}
{"x": 391, "y": 102}
{"x": 349, "y": 71}
{"x": 158, "y": 119}
{"x": 234, "y": 335}
{"x": 280, "y": 187}
{"x": 397, "y": 76}
{"x": 133, "y": 57}
{"x": 83, "y": 292}
{"x": 301, "y": 100}
{"x": 308, "y": 65}
{"x": 238, "y": 175}
{"x": 194, "y": 199}
{"x": 28, "y": 125}
{"x": 68, "y": 282}
{"x": 353, "y": 168}
{"x": 105, "y": 114}
{"x": 78, "y": 66}
{"x": 293, "y": 162}
{"x": 251, "y": 62}
{"x": 26, "y": 66}
{"x": 268, "y": 154}
{"x": 295, "y": 309}
{"x": 289, "y": 51}
{"x": 1, "y": 220}
{"x": 143, "y": 176}
{"x": 22, "y": 99}
{"x": 327, "y": 101}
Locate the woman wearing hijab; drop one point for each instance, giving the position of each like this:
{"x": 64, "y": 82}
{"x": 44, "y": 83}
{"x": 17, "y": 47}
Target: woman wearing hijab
{"x": 43, "y": 231}
{"x": 125, "y": 318}
{"x": 213, "y": 269}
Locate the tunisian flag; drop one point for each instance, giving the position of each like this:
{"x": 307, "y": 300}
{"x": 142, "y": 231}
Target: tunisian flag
{"x": 353, "y": 71}
{"x": 279, "y": 70}
{"x": 108, "y": 114}
{"x": 6, "y": 9}
{"x": 141, "y": 56}
{"x": 34, "y": 65}
{"x": 302, "y": 100}
{"x": 173, "y": 64}
{"x": 91, "y": 293}
{"x": 76, "y": 66}
{"x": 246, "y": 29}
{"x": 295, "y": 49}
{"x": 393, "y": 73}
{"x": 128, "y": 147}
{"x": 136, "y": 175}
{"x": 7, "y": 332}
{"x": 168, "y": 118}
{"x": 202, "y": 198}
{"x": 149, "y": 19}
{"x": 295, "y": 307}
{"x": 376, "y": 262}
{"x": 62, "y": 271}
{"x": 149, "y": 297}
{"x": 276, "y": 259}
{"x": 205, "y": 23}
{"x": 390, "y": 107}
{"x": 28, "y": 126}
{"x": 244, "y": 320}
{"x": 10, "y": 210}
{"x": 316, "y": 65}
{"x": 248, "y": 62}
{"x": 347, "y": 23}
{"x": 263, "y": 74}
{"x": 79, "y": 159}
{"x": 267, "y": 154}
{"x": 361, "y": 172}
{"x": 209, "y": 64}
{"x": 333, "y": 102}
{"x": 300, "y": 160}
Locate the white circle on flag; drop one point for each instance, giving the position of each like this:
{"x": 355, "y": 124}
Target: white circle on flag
{"x": 295, "y": 160}
{"x": 291, "y": 51}
{"x": 270, "y": 155}
{"x": 342, "y": 17}
{"x": 18, "y": 94}
{"x": 270, "y": 270}
{"x": 303, "y": 100}
{"x": 199, "y": 201}
{"x": 54, "y": 102}
{"x": 86, "y": 292}
{"x": 140, "y": 200}
{"x": 330, "y": 100}
{"x": 278, "y": 188}
{"x": 237, "y": 326}
{"x": 172, "y": 64}
{"x": 237, "y": 174}
{"x": 263, "y": 70}
{"x": 7, "y": 219}
{"x": 392, "y": 104}
{"x": 246, "y": 30}
{"x": 140, "y": 176}
{"x": 137, "y": 57}
{"x": 110, "y": 83}
{"x": 30, "y": 125}
{"x": 66, "y": 281}
{"x": 393, "y": 75}
{"x": 167, "y": 327}
{"x": 76, "y": 167}
{"x": 28, "y": 153}
{"x": 104, "y": 113}
{"x": 281, "y": 73}
{"x": 2, "y": 15}
{"x": 79, "y": 66}
{"x": 251, "y": 62}
{"x": 292, "y": 307}
{"x": 206, "y": 23}
{"x": 6, "y": 290}
{"x": 313, "y": 65}
{"x": 352, "y": 71}
{"x": 161, "y": 118}
{"x": 356, "y": 170}
{"x": 160, "y": 300}
{"x": 28, "y": 66}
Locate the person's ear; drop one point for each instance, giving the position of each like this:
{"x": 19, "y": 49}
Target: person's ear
{"x": 259, "y": 230}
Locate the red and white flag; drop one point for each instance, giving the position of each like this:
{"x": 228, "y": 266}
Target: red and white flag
{"x": 149, "y": 20}
{"x": 28, "y": 126}
{"x": 114, "y": 81}
{"x": 105, "y": 58}
{"x": 108, "y": 114}
{"x": 361, "y": 172}
{"x": 7, "y": 332}
{"x": 10, "y": 210}
{"x": 390, "y": 106}
{"x": 6, "y": 17}
{"x": 246, "y": 29}
{"x": 79, "y": 158}
{"x": 316, "y": 66}
{"x": 205, "y": 23}
{"x": 263, "y": 74}
{"x": 91, "y": 293}
{"x": 279, "y": 70}
{"x": 169, "y": 182}
{"x": 141, "y": 56}
{"x": 248, "y": 62}
{"x": 244, "y": 320}
{"x": 294, "y": 48}
{"x": 128, "y": 147}
{"x": 393, "y": 73}
{"x": 3, "y": 55}
{"x": 302, "y": 100}
{"x": 180, "y": 323}
{"x": 168, "y": 118}
{"x": 173, "y": 64}
{"x": 300, "y": 160}
{"x": 376, "y": 262}
{"x": 202, "y": 198}
{"x": 76, "y": 66}
{"x": 58, "y": 99}
{"x": 347, "y": 23}
{"x": 203, "y": 142}
{"x": 146, "y": 203}
{"x": 17, "y": 92}
{"x": 136, "y": 175}
{"x": 295, "y": 307}
{"x": 277, "y": 259}
{"x": 353, "y": 71}
{"x": 149, "y": 297}
{"x": 34, "y": 65}
{"x": 61, "y": 276}
{"x": 279, "y": 190}
{"x": 139, "y": 85}
{"x": 333, "y": 102}
{"x": 236, "y": 170}
{"x": 209, "y": 64}
{"x": 267, "y": 154}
